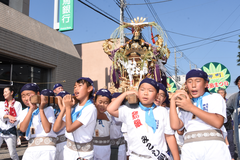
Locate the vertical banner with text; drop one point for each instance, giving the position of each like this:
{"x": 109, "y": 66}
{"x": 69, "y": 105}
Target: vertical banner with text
{"x": 66, "y": 15}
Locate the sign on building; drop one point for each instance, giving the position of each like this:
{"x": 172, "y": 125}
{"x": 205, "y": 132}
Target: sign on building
{"x": 171, "y": 86}
{"x": 66, "y": 15}
{"x": 218, "y": 75}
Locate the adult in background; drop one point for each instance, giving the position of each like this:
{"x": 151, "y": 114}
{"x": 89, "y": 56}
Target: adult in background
{"x": 9, "y": 111}
{"x": 233, "y": 104}
{"x": 228, "y": 125}
{"x": 57, "y": 88}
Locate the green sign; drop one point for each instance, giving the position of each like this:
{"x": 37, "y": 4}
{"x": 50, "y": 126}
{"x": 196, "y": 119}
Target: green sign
{"x": 218, "y": 75}
{"x": 66, "y": 15}
{"x": 171, "y": 86}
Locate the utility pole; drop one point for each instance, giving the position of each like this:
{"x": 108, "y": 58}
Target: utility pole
{"x": 175, "y": 55}
{"x": 190, "y": 65}
{"x": 121, "y": 21}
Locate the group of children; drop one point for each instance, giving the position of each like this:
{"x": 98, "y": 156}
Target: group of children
{"x": 92, "y": 126}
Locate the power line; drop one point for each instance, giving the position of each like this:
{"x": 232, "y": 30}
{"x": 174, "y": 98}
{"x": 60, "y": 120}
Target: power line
{"x": 219, "y": 27}
{"x": 99, "y": 12}
{"x": 102, "y": 10}
{"x": 150, "y": 3}
{"x": 206, "y": 43}
{"x": 157, "y": 19}
{"x": 210, "y": 38}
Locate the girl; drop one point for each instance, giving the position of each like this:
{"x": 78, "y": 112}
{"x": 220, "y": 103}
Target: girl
{"x": 101, "y": 136}
{"x": 202, "y": 120}
{"x": 37, "y": 123}
{"x": 9, "y": 112}
{"x": 118, "y": 145}
{"x": 148, "y": 126}
{"x": 80, "y": 121}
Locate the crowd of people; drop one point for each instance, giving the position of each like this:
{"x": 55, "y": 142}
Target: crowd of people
{"x": 191, "y": 124}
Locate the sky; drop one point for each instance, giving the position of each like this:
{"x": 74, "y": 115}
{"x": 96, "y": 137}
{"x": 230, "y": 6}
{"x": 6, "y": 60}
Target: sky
{"x": 185, "y": 21}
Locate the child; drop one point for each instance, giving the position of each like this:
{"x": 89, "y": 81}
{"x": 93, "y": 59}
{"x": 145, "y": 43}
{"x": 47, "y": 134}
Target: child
{"x": 61, "y": 139}
{"x": 163, "y": 101}
{"x": 37, "y": 123}
{"x": 162, "y": 97}
{"x": 202, "y": 120}
{"x": 79, "y": 121}
{"x": 9, "y": 112}
{"x": 57, "y": 88}
{"x": 148, "y": 126}
{"x": 101, "y": 136}
{"x": 118, "y": 145}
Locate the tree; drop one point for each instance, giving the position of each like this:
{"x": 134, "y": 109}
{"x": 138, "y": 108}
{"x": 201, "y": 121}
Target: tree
{"x": 238, "y": 60}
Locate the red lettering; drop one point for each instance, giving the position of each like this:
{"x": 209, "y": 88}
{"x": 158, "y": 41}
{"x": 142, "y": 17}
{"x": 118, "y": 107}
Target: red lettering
{"x": 137, "y": 123}
{"x": 221, "y": 84}
{"x": 211, "y": 85}
{"x": 135, "y": 115}
{"x": 216, "y": 84}
{"x": 226, "y": 83}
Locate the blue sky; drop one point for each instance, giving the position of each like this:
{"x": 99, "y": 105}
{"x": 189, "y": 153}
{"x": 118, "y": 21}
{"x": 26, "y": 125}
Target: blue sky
{"x": 190, "y": 20}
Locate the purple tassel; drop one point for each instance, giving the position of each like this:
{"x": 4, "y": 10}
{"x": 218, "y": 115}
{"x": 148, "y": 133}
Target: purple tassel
{"x": 157, "y": 75}
{"x": 164, "y": 80}
{"x": 114, "y": 76}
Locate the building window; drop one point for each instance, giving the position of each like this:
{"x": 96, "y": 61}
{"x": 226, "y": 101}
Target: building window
{"x": 5, "y": 2}
{"x": 18, "y": 74}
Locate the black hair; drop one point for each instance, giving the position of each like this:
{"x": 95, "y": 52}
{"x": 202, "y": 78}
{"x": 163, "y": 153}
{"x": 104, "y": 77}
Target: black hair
{"x": 11, "y": 89}
{"x": 88, "y": 85}
{"x": 222, "y": 89}
{"x": 236, "y": 81}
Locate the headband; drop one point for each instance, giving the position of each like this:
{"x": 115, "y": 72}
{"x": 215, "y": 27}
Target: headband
{"x": 47, "y": 92}
{"x": 197, "y": 73}
{"x": 62, "y": 93}
{"x": 30, "y": 86}
{"x": 105, "y": 93}
{"x": 57, "y": 85}
{"x": 151, "y": 82}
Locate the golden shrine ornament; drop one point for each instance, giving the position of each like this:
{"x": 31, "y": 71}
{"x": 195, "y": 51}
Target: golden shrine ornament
{"x": 136, "y": 59}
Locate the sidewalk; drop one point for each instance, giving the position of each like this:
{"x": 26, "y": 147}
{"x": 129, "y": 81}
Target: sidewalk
{"x": 4, "y": 153}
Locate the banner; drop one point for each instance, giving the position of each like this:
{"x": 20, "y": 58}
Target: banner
{"x": 66, "y": 15}
{"x": 171, "y": 86}
{"x": 218, "y": 75}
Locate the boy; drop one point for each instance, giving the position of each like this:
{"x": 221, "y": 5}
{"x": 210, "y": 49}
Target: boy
{"x": 162, "y": 97}
{"x": 162, "y": 100}
{"x": 79, "y": 121}
{"x": 202, "y": 120}
{"x": 61, "y": 139}
{"x": 118, "y": 143}
{"x": 101, "y": 136}
{"x": 37, "y": 123}
{"x": 148, "y": 126}
{"x": 57, "y": 88}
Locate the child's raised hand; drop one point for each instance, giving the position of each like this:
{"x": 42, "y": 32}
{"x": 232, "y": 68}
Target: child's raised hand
{"x": 68, "y": 101}
{"x": 183, "y": 101}
{"x": 32, "y": 107}
{"x": 131, "y": 92}
{"x": 43, "y": 102}
{"x": 177, "y": 94}
{"x": 60, "y": 103}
